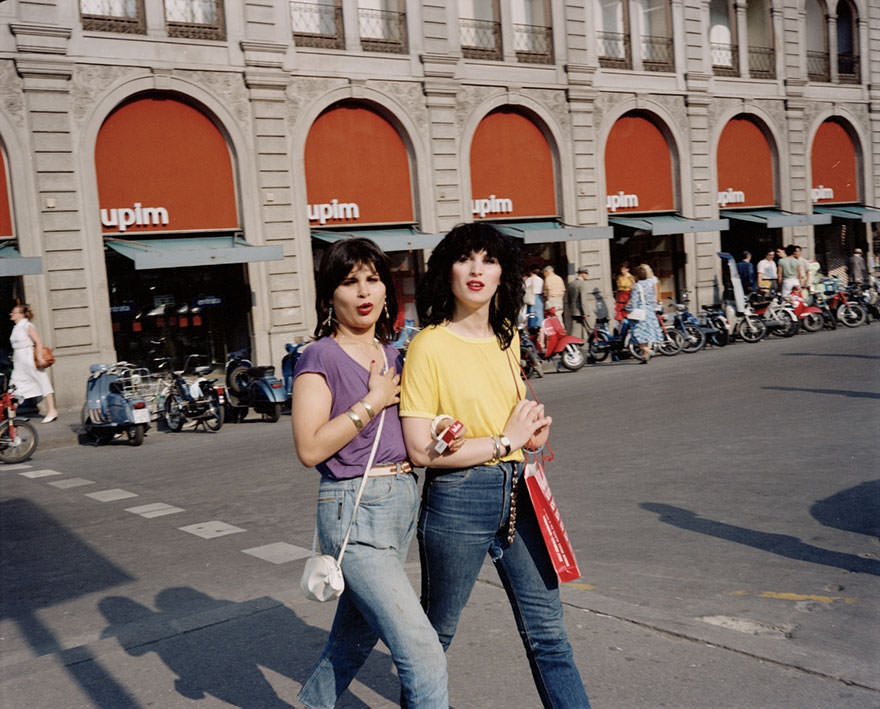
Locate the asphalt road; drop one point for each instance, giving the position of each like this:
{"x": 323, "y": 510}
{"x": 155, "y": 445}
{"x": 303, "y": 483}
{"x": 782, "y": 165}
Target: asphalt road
{"x": 724, "y": 506}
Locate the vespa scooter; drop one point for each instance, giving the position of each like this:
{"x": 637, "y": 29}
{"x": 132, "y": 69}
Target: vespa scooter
{"x": 551, "y": 339}
{"x": 250, "y": 387}
{"x": 113, "y": 404}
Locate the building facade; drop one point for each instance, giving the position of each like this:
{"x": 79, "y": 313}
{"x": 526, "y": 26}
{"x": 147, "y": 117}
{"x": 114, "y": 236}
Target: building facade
{"x": 172, "y": 169}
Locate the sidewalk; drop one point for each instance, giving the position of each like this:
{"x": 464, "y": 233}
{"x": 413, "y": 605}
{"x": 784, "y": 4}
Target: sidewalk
{"x": 61, "y": 433}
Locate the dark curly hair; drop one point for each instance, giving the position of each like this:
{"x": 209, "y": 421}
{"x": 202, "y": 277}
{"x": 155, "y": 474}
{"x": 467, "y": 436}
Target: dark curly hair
{"x": 434, "y": 300}
{"x": 338, "y": 261}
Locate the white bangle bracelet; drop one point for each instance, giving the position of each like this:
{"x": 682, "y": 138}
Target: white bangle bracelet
{"x": 436, "y": 422}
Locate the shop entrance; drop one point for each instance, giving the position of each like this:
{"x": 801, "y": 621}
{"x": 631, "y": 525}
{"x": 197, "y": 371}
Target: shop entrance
{"x": 664, "y": 254}
{"x": 11, "y": 292}
{"x": 835, "y": 242}
{"x": 176, "y": 312}
{"x": 748, "y": 236}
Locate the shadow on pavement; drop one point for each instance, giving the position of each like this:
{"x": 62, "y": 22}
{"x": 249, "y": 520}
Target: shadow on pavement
{"x": 217, "y": 647}
{"x": 780, "y": 544}
{"x": 856, "y": 509}
{"x": 837, "y": 392}
{"x": 829, "y": 354}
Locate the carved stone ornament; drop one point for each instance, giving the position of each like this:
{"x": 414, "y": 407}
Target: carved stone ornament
{"x": 302, "y": 92}
{"x": 409, "y": 95}
{"x": 555, "y": 101}
{"x": 91, "y": 81}
{"x": 11, "y": 93}
{"x": 228, "y": 88}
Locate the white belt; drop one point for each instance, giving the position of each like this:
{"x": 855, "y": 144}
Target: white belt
{"x": 391, "y": 469}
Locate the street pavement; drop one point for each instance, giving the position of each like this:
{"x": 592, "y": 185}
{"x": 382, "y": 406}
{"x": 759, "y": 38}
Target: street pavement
{"x": 724, "y": 507}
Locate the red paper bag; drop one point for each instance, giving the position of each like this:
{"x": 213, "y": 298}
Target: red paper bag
{"x": 550, "y": 521}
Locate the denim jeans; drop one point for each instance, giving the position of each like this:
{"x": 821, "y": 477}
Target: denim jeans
{"x": 464, "y": 516}
{"x": 378, "y": 601}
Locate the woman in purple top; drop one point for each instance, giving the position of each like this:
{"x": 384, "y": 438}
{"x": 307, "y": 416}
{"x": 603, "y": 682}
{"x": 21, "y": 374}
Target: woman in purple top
{"x": 342, "y": 382}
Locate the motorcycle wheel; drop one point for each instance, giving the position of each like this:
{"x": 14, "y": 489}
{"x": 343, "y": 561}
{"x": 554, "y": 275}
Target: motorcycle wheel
{"x": 174, "y": 417}
{"x": 599, "y": 347}
{"x": 572, "y": 357}
{"x": 215, "y": 419}
{"x": 24, "y": 444}
{"x": 694, "y": 339}
{"x": 272, "y": 412}
{"x": 635, "y": 349}
{"x": 751, "y": 328}
{"x": 851, "y": 315}
{"x": 232, "y": 379}
{"x": 812, "y": 322}
{"x": 672, "y": 343}
{"x": 136, "y": 434}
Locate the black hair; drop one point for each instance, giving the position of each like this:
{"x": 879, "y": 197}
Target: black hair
{"x": 338, "y": 261}
{"x": 746, "y": 254}
{"x": 434, "y": 300}
{"x": 789, "y": 250}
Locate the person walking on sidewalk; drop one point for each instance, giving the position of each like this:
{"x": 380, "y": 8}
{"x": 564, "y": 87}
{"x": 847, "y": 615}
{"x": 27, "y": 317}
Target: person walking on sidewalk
{"x": 28, "y": 366}
{"x": 575, "y": 313}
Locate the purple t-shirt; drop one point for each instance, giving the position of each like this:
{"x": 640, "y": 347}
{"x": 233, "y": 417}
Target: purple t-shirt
{"x": 348, "y": 382}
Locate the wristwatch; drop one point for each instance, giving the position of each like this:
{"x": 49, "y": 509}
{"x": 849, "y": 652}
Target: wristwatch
{"x": 505, "y": 441}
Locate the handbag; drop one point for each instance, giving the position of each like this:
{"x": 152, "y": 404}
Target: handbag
{"x": 322, "y": 578}
{"x": 638, "y": 313}
{"x": 48, "y": 358}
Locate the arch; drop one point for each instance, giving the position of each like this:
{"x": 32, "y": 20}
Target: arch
{"x": 847, "y": 126}
{"x": 750, "y": 174}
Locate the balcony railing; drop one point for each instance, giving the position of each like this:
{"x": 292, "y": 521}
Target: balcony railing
{"x": 657, "y": 54}
{"x": 383, "y": 31}
{"x": 533, "y": 44}
{"x": 195, "y": 19}
{"x": 762, "y": 62}
{"x": 848, "y": 68}
{"x": 725, "y": 59}
{"x": 480, "y": 39}
{"x": 126, "y": 16}
{"x": 317, "y": 25}
{"x": 614, "y": 50}
{"x": 818, "y": 66}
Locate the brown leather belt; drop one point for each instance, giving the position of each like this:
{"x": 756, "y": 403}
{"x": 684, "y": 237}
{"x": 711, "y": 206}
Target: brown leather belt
{"x": 391, "y": 469}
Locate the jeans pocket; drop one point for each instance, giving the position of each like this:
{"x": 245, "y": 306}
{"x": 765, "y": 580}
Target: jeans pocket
{"x": 451, "y": 479}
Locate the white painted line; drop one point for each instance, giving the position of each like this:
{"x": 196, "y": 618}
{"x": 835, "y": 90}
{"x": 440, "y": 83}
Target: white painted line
{"x": 157, "y": 509}
{"x": 17, "y": 466}
{"x": 111, "y": 495}
{"x": 71, "y": 482}
{"x": 209, "y": 530}
{"x": 39, "y": 474}
{"x": 279, "y": 552}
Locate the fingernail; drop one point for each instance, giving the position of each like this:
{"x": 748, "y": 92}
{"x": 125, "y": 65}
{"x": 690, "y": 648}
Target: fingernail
{"x": 372, "y": 361}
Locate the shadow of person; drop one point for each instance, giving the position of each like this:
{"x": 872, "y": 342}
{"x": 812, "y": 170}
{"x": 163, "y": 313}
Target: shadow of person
{"x": 856, "y": 509}
{"x": 780, "y": 544}
{"x": 218, "y": 647}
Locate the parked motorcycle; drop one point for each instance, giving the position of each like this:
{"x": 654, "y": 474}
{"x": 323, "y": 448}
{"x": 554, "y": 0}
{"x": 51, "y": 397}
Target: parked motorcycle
{"x": 686, "y": 323}
{"x": 810, "y": 316}
{"x": 198, "y": 401}
{"x": 847, "y": 312}
{"x": 114, "y": 405}
{"x": 288, "y": 364}
{"x": 747, "y": 325}
{"x": 250, "y": 387}
{"x": 865, "y": 297}
{"x": 551, "y": 340}
{"x": 603, "y": 342}
{"x": 778, "y": 316}
{"x": 715, "y": 324}
{"x": 673, "y": 340}
{"x": 18, "y": 437}
{"x": 829, "y": 319}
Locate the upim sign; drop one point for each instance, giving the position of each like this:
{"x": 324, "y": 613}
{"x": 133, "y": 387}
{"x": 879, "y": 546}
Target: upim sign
{"x": 137, "y": 215}
{"x": 821, "y": 192}
{"x": 492, "y": 205}
{"x": 333, "y": 210}
{"x": 613, "y": 202}
{"x": 732, "y": 196}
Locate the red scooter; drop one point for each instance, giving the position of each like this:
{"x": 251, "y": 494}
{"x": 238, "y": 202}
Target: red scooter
{"x": 551, "y": 339}
{"x": 809, "y": 315}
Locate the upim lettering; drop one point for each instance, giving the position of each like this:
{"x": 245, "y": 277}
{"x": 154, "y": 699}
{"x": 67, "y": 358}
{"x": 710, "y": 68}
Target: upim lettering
{"x": 613, "y": 202}
{"x": 333, "y": 210}
{"x": 493, "y": 205}
{"x": 822, "y": 192}
{"x": 134, "y": 216}
{"x": 731, "y": 197}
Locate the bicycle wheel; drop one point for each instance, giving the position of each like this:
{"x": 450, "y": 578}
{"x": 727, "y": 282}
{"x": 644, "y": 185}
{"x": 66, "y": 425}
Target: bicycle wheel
{"x": 694, "y": 339}
{"x": 14, "y": 449}
{"x": 751, "y": 328}
{"x": 851, "y": 314}
{"x": 600, "y": 346}
{"x": 174, "y": 417}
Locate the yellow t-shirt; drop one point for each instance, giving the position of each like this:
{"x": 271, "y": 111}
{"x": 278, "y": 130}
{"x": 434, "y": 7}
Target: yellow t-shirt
{"x": 470, "y": 379}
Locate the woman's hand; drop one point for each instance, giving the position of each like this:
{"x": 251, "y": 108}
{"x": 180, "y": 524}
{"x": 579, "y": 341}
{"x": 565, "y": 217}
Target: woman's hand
{"x": 527, "y": 422}
{"x": 384, "y": 386}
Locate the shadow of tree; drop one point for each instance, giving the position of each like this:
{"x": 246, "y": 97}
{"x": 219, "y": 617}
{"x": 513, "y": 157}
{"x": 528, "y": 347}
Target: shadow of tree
{"x": 856, "y": 509}
{"x": 836, "y": 392}
{"x": 780, "y": 544}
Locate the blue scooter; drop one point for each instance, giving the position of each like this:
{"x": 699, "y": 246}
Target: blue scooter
{"x": 250, "y": 387}
{"x": 113, "y": 404}
{"x": 288, "y": 364}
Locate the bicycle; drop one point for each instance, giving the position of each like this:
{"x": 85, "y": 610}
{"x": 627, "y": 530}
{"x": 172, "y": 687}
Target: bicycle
{"x": 18, "y": 437}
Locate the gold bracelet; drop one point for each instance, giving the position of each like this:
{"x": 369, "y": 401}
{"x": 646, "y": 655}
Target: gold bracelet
{"x": 369, "y": 409}
{"x": 355, "y": 419}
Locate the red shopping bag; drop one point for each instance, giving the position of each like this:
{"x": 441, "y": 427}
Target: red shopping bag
{"x": 550, "y": 521}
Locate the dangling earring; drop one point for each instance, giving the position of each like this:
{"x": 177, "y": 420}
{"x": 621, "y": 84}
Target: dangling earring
{"x": 329, "y": 319}
{"x": 387, "y": 314}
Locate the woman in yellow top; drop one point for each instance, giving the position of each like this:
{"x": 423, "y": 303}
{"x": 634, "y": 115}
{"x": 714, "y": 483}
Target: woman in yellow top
{"x": 465, "y": 365}
{"x": 624, "y": 284}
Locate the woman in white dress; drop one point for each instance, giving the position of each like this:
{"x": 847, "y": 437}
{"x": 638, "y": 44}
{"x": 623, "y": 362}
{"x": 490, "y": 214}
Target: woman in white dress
{"x": 29, "y": 381}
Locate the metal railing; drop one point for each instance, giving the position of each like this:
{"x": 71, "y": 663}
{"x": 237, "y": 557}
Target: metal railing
{"x": 762, "y": 62}
{"x": 818, "y": 66}
{"x": 195, "y": 19}
{"x": 480, "y": 39}
{"x": 848, "y": 68}
{"x": 658, "y": 54}
{"x": 317, "y": 25}
{"x": 725, "y": 59}
{"x": 533, "y": 44}
{"x": 125, "y": 16}
{"x": 614, "y": 50}
{"x": 382, "y": 31}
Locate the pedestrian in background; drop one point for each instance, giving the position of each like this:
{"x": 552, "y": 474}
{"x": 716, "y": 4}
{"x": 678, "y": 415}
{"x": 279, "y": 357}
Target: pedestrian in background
{"x": 856, "y": 269}
{"x": 623, "y": 283}
{"x": 767, "y": 271}
{"x": 644, "y": 295}
{"x": 575, "y": 314}
{"x": 342, "y": 382}
{"x": 534, "y": 298}
{"x": 554, "y": 291}
{"x": 28, "y": 366}
{"x": 465, "y": 364}
{"x": 746, "y": 271}
{"x": 804, "y": 267}
{"x": 789, "y": 272}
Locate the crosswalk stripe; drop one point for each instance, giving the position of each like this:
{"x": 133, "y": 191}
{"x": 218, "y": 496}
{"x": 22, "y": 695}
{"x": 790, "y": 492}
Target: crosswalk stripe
{"x": 111, "y": 495}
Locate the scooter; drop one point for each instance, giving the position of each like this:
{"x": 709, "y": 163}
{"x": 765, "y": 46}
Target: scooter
{"x": 778, "y": 316}
{"x": 18, "y": 437}
{"x": 113, "y": 404}
{"x": 288, "y": 364}
{"x": 603, "y": 342}
{"x": 250, "y": 387}
{"x": 198, "y": 401}
{"x": 551, "y": 339}
{"x": 809, "y": 315}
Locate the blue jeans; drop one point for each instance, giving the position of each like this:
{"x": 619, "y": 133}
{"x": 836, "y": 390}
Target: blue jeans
{"x": 464, "y": 516}
{"x": 378, "y": 601}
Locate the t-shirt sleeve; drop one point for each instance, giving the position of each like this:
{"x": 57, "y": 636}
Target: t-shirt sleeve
{"x": 311, "y": 361}
{"x": 419, "y": 396}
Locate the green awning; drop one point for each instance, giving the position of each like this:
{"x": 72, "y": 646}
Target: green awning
{"x": 545, "y": 232}
{"x": 192, "y": 251}
{"x": 867, "y": 215}
{"x": 394, "y": 239}
{"x": 775, "y": 218}
{"x": 12, "y": 263}
{"x": 663, "y": 224}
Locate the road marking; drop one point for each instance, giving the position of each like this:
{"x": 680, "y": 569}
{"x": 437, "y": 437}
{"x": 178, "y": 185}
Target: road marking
{"x": 156, "y": 509}
{"x": 780, "y": 596}
{"x": 111, "y": 495}
{"x": 209, "y": 530}
{"x": 71, "y": 482}
{"x": 17, "y": 466}
{"x": 39, "y": 474}
{"x": 580, "y": 586}
{"x": 279, "y": 552}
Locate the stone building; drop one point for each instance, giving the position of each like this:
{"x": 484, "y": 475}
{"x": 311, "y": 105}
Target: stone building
{"x": 172, "y": 169}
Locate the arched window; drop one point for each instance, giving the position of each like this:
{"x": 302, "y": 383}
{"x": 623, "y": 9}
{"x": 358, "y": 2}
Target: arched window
{"x": 759, "y": 25}
{"x": 612, "y": 32}
{"x": 722, "y": 38}
{"x": 847, "y": 44}
{"x": 816, "y": 41}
